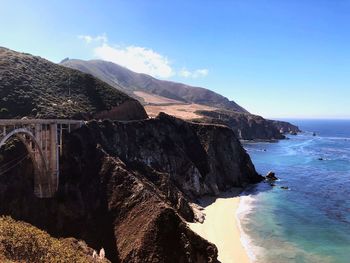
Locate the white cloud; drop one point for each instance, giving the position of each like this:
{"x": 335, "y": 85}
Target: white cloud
{"x": 89, "y": 39}
{"x": 193, "y": 74}
{"x": 138, "y": 59}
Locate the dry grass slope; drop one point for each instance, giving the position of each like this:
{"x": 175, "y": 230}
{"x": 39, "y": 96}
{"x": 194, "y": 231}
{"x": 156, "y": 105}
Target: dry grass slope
{"x": 129, "y": 81}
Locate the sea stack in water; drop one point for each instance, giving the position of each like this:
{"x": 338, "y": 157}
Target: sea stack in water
{"x": 271, "y": 176}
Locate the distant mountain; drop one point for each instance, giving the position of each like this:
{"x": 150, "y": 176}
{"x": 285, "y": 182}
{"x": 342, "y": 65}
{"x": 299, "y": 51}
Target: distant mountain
{"x": 130, "y": 82}
{"x": 34, "y": 87}
{"x": 184, "y": 101}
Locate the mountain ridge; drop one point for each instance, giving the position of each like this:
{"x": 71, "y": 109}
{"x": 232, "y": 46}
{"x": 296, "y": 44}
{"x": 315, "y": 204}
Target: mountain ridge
{"x": 184, "y": 101}
{"x": 129, "y": 81}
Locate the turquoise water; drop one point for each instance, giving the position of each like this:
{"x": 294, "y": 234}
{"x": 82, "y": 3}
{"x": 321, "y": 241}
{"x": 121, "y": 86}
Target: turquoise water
{"x": 310, "y": 222}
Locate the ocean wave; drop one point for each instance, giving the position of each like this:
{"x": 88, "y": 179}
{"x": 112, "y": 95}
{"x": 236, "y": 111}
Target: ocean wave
{"x": 245, "y": 207}
{"x": 336, "y": 138}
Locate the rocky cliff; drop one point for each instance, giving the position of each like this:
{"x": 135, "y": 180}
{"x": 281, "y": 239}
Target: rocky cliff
{"x": 194, "y": 155}
{"x": 128, "y": 186}
{"x": 248, "y": 126}
{"x": 286, "y": 127}
{"x": 37, "y": 88}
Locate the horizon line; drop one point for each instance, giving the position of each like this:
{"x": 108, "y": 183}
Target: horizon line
{"x": 307, "y": 118}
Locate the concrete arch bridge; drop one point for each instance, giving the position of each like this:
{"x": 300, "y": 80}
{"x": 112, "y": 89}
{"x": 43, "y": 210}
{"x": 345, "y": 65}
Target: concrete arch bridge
{"x": 43, "y": 140}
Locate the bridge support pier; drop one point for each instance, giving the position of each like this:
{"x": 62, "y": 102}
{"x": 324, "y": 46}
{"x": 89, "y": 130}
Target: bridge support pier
{"x": 43, "y": 140}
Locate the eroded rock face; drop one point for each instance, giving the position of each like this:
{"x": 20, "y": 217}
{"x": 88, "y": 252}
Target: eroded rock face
{"x": 126, "y": 187}
{"x": 146, "y": 226}
{"x": 201, "y": 159}
{"x": 134, "y": 217}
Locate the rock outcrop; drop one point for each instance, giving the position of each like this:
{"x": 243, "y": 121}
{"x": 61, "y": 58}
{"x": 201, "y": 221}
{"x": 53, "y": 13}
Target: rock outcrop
{"x": 286, "y": 127}
{"x": 271, "y": 176}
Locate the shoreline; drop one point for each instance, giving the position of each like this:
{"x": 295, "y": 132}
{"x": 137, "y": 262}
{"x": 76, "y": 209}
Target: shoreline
{"x": 222, "y": 228}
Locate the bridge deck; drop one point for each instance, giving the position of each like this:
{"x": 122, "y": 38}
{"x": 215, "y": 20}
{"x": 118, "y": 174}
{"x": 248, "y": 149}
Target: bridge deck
{"x": 38, "y": 121}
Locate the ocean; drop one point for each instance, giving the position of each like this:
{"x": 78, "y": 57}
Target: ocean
{"x": 310, "y": 221}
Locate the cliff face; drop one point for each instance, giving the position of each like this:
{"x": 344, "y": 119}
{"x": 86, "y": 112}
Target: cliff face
{"x": 286, "y": 127}
{"x": 126, "y": 186}
{"x": 248, "y": 126}
{"x": 37, "y": 88}
{"x": 202, "y": 159}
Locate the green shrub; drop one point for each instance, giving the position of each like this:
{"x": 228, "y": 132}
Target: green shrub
{"x": 22, "y": 242}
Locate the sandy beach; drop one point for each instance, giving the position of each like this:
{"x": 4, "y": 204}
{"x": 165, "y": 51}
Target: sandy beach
{"x": 221, "y": 227}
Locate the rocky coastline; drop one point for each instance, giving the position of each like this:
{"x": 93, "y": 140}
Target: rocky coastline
{"x": 129, "y": 187}
{"x": 249, "y": 127}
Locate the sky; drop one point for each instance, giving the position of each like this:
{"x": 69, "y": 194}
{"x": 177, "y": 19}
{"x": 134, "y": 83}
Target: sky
{"x": 278, "y": 59}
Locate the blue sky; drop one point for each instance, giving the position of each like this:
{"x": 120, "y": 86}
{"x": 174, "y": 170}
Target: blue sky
{"x": 276, "y": 58}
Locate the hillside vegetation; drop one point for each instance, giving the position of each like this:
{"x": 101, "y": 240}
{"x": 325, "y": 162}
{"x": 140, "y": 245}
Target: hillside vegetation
{"x": 34, "y": 87}
{"x": 22, "y": 242}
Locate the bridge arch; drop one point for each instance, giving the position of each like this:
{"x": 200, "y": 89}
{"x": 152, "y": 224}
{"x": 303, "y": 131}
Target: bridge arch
{"x": 36, "y": 154}
{"x": 43, "y": 140}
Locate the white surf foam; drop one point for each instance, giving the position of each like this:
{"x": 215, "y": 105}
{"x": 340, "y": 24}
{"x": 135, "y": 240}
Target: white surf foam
{"x": 246, "y": 207}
